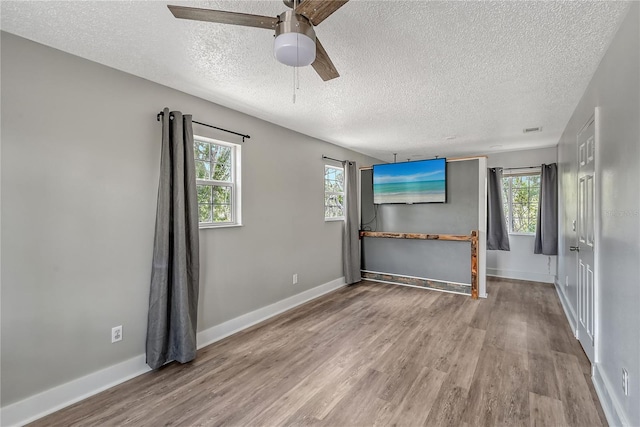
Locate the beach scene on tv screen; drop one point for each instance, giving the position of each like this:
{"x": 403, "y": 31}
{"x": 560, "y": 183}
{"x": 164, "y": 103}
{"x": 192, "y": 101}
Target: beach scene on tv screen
{"x": 410, "y": 182}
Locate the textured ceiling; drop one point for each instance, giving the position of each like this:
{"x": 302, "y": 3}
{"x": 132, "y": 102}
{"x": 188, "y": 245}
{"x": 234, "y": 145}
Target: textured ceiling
{"x": 417, "y": 78}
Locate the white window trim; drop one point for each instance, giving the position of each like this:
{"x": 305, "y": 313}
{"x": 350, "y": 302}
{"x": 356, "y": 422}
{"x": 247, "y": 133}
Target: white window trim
{"x": 513, "y": 173}
{"x": 344, "y": 193}
{"x": 235, "y": 184}
{"x": 335, "y": 218}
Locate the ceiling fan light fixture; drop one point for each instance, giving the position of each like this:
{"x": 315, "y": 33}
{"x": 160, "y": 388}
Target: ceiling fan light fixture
{"x": 295, "y": 42}
{"x": 295, "y": 49}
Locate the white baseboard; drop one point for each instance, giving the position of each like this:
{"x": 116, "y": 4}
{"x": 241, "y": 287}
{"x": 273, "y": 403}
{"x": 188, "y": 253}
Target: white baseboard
{"x": 612, "y": 410}
{"x": 230, "y": 327}
{"x": 521, "y": 275}
{"x": 568, "y": 309}
{"x": 56, "y": 398}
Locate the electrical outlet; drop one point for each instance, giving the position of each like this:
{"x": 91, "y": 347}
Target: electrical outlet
{"x": 295, "y": 278}
{"x": 116, "y": 334}
{"x": 625, "y": 382}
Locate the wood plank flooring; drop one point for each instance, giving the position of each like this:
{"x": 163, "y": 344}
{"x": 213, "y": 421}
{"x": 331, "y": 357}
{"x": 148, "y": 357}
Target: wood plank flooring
{"x": 373, "y": 354}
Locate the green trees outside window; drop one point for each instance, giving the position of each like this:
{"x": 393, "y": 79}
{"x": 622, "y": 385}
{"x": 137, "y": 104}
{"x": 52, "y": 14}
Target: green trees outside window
{"x": 333, "y": 192}
{"x": 520, "y": 201}
{"x": 215, "y": 181}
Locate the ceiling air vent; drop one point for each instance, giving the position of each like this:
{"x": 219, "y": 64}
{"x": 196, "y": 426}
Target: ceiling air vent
{"x": 531, "y": 130}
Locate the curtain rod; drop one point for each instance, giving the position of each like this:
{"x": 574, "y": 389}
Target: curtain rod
{"x": 161, "y": 113}
{"x": 523, "y": 167}
{"x": 335, "y": 160}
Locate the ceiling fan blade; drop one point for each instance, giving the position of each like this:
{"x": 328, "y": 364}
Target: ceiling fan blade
{"x": 323, "y": 65}
{"x": 223, "y": 17}
{"x": 319, "y": 10}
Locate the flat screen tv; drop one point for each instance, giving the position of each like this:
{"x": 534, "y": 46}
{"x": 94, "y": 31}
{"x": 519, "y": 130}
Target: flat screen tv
{"x": 423, "y": 181}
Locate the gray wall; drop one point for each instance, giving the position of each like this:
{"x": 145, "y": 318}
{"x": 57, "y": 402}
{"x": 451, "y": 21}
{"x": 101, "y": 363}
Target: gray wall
{"x": 80, "y": 166}
{"x": 520, "y": 262}
{"x": 448, "y": 261}
{"x": 615, "y": 89}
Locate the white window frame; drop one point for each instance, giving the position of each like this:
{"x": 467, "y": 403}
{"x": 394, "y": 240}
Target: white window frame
{"x": 234, "y": 184}
{"x": 331, "y": 193}
{"x": 513, "y": 174}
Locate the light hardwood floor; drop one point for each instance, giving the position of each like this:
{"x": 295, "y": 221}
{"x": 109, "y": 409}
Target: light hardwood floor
{"x": 374, "y": 354}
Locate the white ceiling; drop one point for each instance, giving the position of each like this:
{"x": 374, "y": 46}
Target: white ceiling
{"x": 413, "y": 73}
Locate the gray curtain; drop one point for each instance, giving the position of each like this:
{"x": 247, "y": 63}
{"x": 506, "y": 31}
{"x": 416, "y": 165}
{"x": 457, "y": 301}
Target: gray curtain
{"x": 350, "y": 228}
{"x": 173, "y": 300}
{"x": 497, "y": 233}
{"x": 547, "y": 226}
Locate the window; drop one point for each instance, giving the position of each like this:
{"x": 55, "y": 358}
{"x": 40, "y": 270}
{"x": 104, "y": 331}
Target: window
{"x": 333, "y": 193}
{"x": 217, "y": 181}
{"x": 520, "y": 195}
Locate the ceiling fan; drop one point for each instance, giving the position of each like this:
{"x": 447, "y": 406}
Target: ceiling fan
{"x": 296, "y": 43}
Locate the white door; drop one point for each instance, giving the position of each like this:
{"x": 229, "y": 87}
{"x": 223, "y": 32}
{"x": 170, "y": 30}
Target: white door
{"x": 586, "y": 239}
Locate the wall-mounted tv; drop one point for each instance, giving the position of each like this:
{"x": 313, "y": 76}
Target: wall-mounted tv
{"x": 423, "y": 181}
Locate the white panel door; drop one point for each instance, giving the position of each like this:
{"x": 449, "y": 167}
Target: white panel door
{"x": 586, "y": 239}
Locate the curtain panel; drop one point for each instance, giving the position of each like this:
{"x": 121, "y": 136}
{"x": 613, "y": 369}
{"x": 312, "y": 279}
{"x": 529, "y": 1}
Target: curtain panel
{"x": 497, "y": 233}
{"x": 350, "y": 231}
{"x": 173, "y": 298}
{"x": 547, "y": 226}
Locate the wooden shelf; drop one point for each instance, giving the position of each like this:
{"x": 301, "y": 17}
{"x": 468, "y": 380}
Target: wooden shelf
{"x": 472, "y": 238}
{"x": 419, "y": 236}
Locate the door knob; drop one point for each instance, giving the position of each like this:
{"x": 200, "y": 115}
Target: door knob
{"x": 574, "y": 248}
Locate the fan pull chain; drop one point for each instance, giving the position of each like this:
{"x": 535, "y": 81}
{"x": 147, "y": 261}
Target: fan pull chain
{"x": 298, "y": 62}
{"x": 296, "y": 74}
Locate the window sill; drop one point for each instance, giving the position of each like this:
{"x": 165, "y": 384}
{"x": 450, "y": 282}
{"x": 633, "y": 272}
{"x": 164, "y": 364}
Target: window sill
{"x": 334, "y": 219}
{"x": 205, "y": 226}
{"x": 523, "y": 234}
